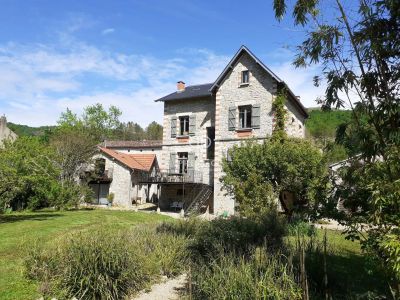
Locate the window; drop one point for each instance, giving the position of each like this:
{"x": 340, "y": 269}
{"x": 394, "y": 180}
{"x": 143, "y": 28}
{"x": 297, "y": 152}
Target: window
{"x": 245, "y": 117}
{"x": 183, "y": 162}
{"x": 245, "y": 76}
{"x": 210, "y": 142}
{"x": 184, "y": 125}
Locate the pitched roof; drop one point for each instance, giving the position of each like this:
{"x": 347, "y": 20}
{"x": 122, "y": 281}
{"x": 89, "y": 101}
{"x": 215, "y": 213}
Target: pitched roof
{"x": 142, "y": 162}
{"x": 244, "y": 49}
{"x": 192, "y": 91}
{"x": 208, "y": 89}
{"x": 132, "y": 144}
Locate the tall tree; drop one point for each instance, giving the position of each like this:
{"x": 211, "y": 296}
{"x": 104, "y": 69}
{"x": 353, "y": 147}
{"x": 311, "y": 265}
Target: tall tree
{"x": 358, "y": 48}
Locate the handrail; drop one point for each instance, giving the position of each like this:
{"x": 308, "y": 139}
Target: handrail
{"x": 191, "y": 176}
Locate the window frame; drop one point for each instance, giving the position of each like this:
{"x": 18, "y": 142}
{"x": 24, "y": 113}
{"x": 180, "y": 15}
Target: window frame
{"x": 183, "y": 160}
{"x": 242, "y": 77}
{"x": 185, "y": 120}
{"x": 245, "y": 117}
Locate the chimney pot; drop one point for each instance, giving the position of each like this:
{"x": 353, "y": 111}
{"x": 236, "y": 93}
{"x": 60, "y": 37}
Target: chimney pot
{"x": 180, "y": 86}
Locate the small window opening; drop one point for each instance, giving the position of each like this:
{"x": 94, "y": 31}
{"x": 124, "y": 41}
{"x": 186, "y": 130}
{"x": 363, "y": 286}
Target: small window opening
{"x": 245, "y": 76}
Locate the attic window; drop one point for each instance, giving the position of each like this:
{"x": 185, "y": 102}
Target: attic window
{"x": 245, "y": 77}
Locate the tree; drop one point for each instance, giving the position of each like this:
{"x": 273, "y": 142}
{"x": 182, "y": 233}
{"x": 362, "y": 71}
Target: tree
{"x": 256, "y": 174}
{"x": 359, "y": 52}
{"x": 95, "y": 120}
{"x": 154, "y": 131}
{"x": 27, "y": 174}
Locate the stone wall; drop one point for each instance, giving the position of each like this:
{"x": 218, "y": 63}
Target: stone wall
{"x": 5, "y": 132}
{"x": 203, "y": 109}
{"x": 261, "y": 90}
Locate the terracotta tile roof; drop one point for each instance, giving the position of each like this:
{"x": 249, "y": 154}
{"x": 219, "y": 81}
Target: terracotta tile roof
{"x": 142, "y": 162}
{"x": 132, "y": 144}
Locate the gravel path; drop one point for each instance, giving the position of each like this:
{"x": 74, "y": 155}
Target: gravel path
{"x": 167, "y": 290}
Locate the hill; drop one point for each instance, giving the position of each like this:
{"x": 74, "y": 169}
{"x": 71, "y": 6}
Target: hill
{"x": 24, "y": 130}
{"x": 323, "y": 124}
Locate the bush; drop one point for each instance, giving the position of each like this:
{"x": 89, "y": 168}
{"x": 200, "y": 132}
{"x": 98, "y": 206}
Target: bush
{"x": 207, "y": 240}
{"x": 107, "y": 264}
{"x": 232, "y": 277}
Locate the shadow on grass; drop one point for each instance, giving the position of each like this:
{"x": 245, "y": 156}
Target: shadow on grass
{"x": 28, "y": 216}
{"x": 348, "y": 278}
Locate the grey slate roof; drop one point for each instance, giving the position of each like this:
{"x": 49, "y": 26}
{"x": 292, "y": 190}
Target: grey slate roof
{"x": 132, "y": 144}
{"x": 196, "y": 91}
{"x": 192, "y": 91}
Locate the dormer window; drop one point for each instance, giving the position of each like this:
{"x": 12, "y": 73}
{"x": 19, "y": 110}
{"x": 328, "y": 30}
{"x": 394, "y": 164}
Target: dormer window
{"x": 245, "y": 77}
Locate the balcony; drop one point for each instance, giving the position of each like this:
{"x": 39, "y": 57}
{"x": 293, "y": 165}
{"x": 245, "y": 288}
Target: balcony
{"x": 171, "y": 177}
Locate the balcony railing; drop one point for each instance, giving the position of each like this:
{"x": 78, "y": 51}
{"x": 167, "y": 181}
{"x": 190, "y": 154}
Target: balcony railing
{"x": 172, "y": 177}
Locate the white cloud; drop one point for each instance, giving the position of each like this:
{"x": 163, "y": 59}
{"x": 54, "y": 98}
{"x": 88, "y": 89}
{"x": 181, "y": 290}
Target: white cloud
{"x": 38, "y": 82}
{"x": 108, "y": 31}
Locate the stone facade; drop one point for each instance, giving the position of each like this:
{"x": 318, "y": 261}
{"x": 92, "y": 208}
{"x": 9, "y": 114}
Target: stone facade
{"x": 202, "y": 111}
{"x": 5, "y": 132}
{"x": 125, "y": 184}
{"x": 221, "y": 110}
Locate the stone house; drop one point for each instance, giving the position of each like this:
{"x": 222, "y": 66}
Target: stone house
{"x": 118, "y": 170}
{"x": 5, "y": 132}
{"x": 201, "y": 122}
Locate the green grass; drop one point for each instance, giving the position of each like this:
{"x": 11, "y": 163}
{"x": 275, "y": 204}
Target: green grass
{"x": 19, "y": 230}
{"x": 350, "y": 274}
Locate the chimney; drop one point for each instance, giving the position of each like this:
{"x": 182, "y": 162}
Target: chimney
{"x": 180, "y": 86}
{"x": 298, "y": 98}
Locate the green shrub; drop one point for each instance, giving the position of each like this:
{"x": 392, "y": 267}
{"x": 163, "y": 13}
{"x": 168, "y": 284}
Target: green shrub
{"x": 105, "y": 264}
{"x": 209, "y": 239}
{"x": 233, "y": 277}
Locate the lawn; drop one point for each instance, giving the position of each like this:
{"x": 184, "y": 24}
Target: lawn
{"x": 350, "y": 274}
{"x": 19, "y": 230}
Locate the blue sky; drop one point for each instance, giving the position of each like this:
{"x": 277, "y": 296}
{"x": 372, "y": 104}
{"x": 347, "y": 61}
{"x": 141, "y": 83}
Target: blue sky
{"x": 64, "y": 53}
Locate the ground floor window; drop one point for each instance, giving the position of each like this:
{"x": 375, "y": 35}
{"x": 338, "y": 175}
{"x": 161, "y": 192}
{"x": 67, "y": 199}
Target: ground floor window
{"x": 183, "y": 162}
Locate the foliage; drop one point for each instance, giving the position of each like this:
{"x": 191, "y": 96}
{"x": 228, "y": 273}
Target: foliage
{"x": 260, "y": 277}
{"x": 359, "y": 54}
{"x": 105, "y": 265}
{"x": 209, "y": 239}
{"x": 280, "y": 114}
{"x": 24, "y": 130}
{"x": 324, "y": 123}
{"x": 28, "y": 174}
{"x": 95, "y": 121}
{"x": 19, "y": 230}
{"x": 257, "y": 173}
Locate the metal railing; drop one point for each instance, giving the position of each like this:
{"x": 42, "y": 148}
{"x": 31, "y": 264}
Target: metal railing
{"x": 191, "y": 176}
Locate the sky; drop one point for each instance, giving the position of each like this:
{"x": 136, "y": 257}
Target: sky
{"x": 70, "y": 54}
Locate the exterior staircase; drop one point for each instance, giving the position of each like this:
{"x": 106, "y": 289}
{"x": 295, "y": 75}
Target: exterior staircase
{"x": 200, "y": 200}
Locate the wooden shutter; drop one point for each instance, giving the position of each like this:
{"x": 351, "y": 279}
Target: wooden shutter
{"x": 192, "y": 125}
{"x": 172, "y": 162}
{"x": 232, "y": 118}
{"x": 191, "y": 157}
{"x": 255, "y": 116}
{"x": 173, "y": 127}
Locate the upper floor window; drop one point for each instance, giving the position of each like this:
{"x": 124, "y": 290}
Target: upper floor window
{"x": 245, "y": 77}
{"x": 245, "y": 117}
{"x": 184, "y": 125}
